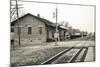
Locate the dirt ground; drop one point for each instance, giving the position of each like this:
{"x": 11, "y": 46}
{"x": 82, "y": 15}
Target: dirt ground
{"x": 37, "y": 54}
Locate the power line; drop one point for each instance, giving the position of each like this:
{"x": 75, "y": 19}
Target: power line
{"x": 15, "y": 7}
{"x": 15, "y": 4}
{"x": 53, "y": 3}
{"x": 12, "y": 13}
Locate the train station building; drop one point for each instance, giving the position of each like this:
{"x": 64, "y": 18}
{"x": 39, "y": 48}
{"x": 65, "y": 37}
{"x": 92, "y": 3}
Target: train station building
{"x": 34, "y": 29}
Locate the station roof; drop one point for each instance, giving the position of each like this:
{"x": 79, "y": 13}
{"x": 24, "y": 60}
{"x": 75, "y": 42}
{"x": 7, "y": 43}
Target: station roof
{"x": 47, "y": 22}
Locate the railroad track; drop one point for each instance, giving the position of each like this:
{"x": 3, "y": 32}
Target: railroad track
{"x": 69, "y": 55}
{"x": 66, "y": 56}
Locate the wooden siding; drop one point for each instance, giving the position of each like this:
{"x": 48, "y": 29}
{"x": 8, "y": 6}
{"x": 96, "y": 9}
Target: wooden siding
{"x": 33, "y": 38}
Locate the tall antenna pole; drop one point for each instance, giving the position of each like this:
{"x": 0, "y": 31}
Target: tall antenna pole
{"x": 56, "y": 39}
{"x": 18, "y": 22}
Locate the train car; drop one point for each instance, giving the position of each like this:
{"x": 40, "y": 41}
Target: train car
{"x": 75, "y": 35}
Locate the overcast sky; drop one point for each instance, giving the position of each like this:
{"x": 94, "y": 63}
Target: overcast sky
{"x": 81, "y": 17}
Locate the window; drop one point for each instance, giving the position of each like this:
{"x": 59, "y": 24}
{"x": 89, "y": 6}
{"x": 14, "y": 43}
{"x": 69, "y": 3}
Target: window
{"x": 19, "y": 30}
{"x": 12, "y": 29}
{"x": 40, "y": 30}
{"x": 29, "y": 30}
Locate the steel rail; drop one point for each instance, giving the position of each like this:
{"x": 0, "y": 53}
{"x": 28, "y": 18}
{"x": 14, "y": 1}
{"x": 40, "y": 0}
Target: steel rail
{"x": 73, "y": 58}
{"x": 56, "y": 56}
{"x": 84, "y": 54}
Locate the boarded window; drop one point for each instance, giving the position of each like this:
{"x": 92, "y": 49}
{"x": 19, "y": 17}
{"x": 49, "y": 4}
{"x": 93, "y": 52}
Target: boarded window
{"x": 29, "y": 30}
{"x": 40, "y": 30}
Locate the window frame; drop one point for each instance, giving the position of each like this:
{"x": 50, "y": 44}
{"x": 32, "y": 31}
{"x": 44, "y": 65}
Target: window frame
{"x": 29, "y": 30}
{"x": 40, "y": 30}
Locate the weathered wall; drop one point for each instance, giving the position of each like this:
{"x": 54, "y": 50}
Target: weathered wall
{"x": 35, "y": 37}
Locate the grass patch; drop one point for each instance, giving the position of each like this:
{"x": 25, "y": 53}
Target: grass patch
{"x": 34, "y": 57}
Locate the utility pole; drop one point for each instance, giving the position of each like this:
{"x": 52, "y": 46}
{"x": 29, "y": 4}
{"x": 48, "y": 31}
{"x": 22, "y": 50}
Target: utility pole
{"x": 56, "y": 34}
{"x": 18, "y": 23}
